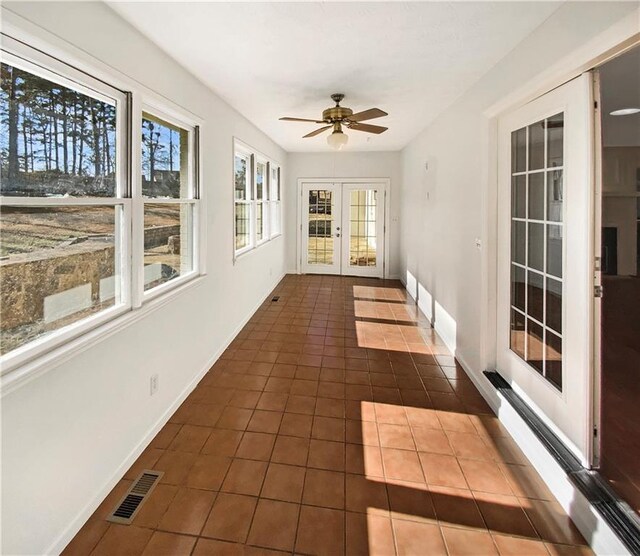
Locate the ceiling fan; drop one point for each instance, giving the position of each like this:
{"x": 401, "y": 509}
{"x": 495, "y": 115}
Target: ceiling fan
{"x": 338, "y": 116}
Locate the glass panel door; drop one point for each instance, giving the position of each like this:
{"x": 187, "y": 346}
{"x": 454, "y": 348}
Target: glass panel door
{"x": 545, "y": 267}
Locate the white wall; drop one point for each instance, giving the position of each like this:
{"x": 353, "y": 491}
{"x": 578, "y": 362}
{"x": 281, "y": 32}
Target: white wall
{"x": 344, "y": 165}
{"x": 66, "y": 434}
{"x": 446, "y": 208}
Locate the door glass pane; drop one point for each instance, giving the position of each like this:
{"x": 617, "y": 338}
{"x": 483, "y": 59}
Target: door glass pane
{"x": 553, "y": 358}
{"x": 555, "y": 138}
{"x": 517, "y": 332}
{"x": 517, "y": 287}
{"x": 535, "y": 296}
{"x": 554, "y": 196}
{"x": 519, "y": 197}
{"x": 362, "y": 227}
{"x": 536, "y": 146}
{"x": 321, "y": 242}
{"x": 535, "y": 345}
{"x": 519, "y": 150}
{"x": 518, "y": 242}
{"x": 59, "y": 265}
{"x": 536, "y": 196}
{"x": 537, "y": 245}
{"x": 554, "y": 250}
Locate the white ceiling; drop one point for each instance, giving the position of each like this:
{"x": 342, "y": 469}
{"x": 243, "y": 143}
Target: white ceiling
{"x": 620, "y": 88}
{"x": 411, "y": 59}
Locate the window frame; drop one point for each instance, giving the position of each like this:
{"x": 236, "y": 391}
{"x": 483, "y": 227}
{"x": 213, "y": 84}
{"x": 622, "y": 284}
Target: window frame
{"x": 255, "y": 157}
{"x": 275, "y": 200}
{"x": 193, "y": 199}
{"x": 89, "y": 76}
{"x": 263, "y": 202}
{"x": 243, "y": 152}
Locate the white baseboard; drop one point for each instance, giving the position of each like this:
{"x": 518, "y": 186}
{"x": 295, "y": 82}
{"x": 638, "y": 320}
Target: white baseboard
{"x": 67, "y": 535}
{"x": 589, "y": 522}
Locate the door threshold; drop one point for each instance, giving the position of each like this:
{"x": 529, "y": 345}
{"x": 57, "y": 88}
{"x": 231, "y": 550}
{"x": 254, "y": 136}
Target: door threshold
{"x": 619, "y": 516}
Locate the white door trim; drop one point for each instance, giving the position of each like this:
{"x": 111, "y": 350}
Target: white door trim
{"x": 383, "y": 183}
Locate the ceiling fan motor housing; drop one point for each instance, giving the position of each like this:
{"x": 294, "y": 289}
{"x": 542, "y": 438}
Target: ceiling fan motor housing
{"x": 337, "y": 113}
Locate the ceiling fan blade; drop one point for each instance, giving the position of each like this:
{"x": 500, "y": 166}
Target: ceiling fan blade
{"x": 301, "y": 120}
{"x": 317, "y": 131}
{"x": 368, "y": 128}
{"x": 367, "y": 115}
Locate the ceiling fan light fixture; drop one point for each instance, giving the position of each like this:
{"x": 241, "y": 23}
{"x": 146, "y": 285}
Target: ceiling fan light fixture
{"x": 337, "y": 139}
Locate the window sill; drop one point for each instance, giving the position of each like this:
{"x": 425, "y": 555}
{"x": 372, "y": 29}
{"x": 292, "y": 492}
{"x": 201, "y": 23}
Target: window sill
{"x": 41, "y": 363}
{"x": 245, "y": 251}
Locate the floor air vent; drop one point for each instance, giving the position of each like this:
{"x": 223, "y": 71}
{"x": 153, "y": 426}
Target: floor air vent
{"x": 275, "y": 298}
{"x": 132, "y": 501}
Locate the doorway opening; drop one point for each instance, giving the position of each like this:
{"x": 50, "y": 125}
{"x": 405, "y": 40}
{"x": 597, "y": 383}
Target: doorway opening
{"x": 620, "y": 264}
{"x": 342, "y": 227}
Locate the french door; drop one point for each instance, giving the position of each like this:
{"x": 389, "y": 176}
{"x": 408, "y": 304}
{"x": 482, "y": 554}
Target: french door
{"x": 545, "y": 258}
{"x": 343, "y": 228}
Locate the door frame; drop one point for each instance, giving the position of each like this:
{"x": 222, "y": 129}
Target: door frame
{"x": 382, "y": 183}
{"x": 615, "y": 41}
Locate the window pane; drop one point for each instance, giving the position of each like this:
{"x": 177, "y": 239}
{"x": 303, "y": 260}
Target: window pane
{"x": 165, "y": 159}
{"x": 168, "y": 242}
{"x": 243, "y": 229}
{"x": 58, "y": 266}
{"x": 241, "y": 164}
{"x": 54, "y": 141}
{"x": 260, "y": 222}
{"x": 275, "y": 217}
{"x": 261, "y": 172}
{"x": 274, "y": 194}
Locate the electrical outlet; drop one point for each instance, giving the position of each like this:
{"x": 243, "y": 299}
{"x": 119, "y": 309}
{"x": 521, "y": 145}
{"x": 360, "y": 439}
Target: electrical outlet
{"x": 154, "y": 384}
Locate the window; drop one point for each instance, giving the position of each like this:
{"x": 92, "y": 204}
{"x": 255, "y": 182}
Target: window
{"x": 79, "y": 243}
{"x": 170, "y": 203}
{"x": 243, "y": 174}
{"x": 257, "y": 201}
{"x": 63, "y": 236}
{"x": 274, "y": 200}
{"x": 260, "y": 196}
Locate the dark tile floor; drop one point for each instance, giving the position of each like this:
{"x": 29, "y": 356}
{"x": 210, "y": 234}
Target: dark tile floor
{"x": 336, "y": 423}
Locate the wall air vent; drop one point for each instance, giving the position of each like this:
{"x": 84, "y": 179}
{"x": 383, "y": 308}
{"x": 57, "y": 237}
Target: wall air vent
{"x": 132, "y": 501}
